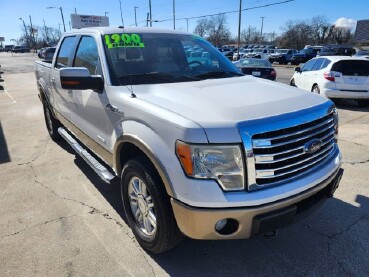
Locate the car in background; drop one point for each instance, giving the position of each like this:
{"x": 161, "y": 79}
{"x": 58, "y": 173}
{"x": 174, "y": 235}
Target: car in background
{"x": 305, "y": 54}
{"x": 241, "y": 55}
{"x": 335, "y": 77}
{"x": 336, "y": 50}
{"x": 260, "y": 53}
{"x": 40, "y": 53}
{"x": 362, "y": 54}
{"x": 257, "y": 67}
{"x": 8, "y": 48}
{"x": 20, "y": 49}
{"x": 282, "y": 56}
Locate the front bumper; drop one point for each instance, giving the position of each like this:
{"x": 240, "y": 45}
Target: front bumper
{"x": 199, "y": 223}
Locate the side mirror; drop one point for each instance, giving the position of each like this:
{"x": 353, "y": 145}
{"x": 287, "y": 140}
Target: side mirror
{"x": 80, "y": 78}
{"x": 298, "y": 69}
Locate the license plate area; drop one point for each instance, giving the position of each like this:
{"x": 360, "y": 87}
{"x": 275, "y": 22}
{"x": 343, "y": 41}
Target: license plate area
{"x": 256, "y": 73}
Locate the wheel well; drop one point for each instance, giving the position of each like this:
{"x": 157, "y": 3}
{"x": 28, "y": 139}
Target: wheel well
{"x": 128, "y": 152}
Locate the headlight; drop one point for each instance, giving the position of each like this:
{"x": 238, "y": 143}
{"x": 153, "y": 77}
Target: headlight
{"x": 222, "y": 163}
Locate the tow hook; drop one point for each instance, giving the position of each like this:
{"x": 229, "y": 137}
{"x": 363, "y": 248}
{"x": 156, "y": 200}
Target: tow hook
{"x": 271, "y": 234}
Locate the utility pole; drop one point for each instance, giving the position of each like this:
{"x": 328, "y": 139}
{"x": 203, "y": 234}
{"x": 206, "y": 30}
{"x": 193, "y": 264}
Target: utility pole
{"x": 33, "y": 34}
{"x": 25, "y": 29}
{"x": 239, "y": 30}
{"x": 61, "y": 12}
{"x": 174, "y": 15}
{"x": 249, "y": 34}
{"x": 121, "y": 14}
{"x": 47, "y": 39}
{"x": 150, "y": 18}
{"x": 135, "y": 15}
{"x": 262, "y": 24}
{"x": 187, "y": 23}
{"x": 147, "y": 19}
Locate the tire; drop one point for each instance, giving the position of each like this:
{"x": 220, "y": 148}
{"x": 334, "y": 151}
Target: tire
{"x": 52, "y": 124}
{"x": 144, "y": 195}
{"x": 364, "y": 103}
{"x": 316, "y": 89}
{"x": 292, "y": 83}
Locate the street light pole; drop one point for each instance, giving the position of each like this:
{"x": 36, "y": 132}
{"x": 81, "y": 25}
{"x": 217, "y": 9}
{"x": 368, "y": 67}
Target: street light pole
{"x": 187, "y": 23}
{"x": 46, "y": 36}
{"x": 61, "y": 12}
{"x": 135, "y": 15}
{"x": 25, "y": 29}
{"x": 106, "y": 13}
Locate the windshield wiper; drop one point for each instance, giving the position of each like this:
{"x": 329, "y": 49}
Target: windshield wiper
{"x": 157, "y": 75}
{"x": 216, "y": 74}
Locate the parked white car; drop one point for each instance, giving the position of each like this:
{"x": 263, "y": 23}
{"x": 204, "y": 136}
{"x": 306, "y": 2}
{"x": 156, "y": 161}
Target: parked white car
{"x": 335, "y": 77}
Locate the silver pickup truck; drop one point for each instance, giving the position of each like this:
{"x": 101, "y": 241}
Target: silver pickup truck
{"x": 200, "y": 149}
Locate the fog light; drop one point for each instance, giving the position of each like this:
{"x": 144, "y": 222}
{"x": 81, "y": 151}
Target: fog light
{"x": 220, "y": 224}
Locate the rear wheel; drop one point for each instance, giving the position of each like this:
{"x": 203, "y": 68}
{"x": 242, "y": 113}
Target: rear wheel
{"x": 292, "y": 83}
{"x": 316, "y": 89}
{"x": 363, "y": 103}
{"x": 147, "y": 208}
{"x": 52, "y": 124}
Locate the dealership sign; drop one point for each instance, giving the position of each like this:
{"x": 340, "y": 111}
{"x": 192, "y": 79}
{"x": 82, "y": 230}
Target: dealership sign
{"x": 85, "y": 21}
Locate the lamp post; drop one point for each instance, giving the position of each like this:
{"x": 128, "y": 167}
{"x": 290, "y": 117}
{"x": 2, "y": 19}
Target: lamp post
{"x": 187, "y": 23}
{"x": 61, "y": 12}
{"x": 106, "y": 13}
{"x": 25, "y": 29}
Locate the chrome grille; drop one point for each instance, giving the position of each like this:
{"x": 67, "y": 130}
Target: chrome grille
{"x": 280, "y": 155}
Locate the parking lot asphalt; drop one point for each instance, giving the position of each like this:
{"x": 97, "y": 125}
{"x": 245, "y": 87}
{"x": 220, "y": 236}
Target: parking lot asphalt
{"x": 57, "y": 218}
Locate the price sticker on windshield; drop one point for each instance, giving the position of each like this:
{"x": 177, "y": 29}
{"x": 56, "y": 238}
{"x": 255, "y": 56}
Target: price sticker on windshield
{"x": 123, "y": 40}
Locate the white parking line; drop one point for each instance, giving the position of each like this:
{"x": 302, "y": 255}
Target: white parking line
{"x": 9, "y": 95}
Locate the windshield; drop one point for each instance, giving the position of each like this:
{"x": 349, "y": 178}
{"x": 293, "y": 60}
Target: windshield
{"x": 258, "y": 50}
{"x": 305, "y": 51}
{"x": 151, "y": 58}
{"x": 282, "y": 51}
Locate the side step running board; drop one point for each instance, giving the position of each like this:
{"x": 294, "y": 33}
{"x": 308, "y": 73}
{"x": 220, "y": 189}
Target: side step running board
{"x": 101, "y": 170}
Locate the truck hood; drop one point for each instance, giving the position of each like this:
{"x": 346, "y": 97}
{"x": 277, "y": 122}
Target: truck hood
{"x": 220, "y": 104}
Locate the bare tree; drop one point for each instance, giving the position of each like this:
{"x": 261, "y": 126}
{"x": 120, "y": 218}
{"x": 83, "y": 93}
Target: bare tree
{"x": 321, "y": 29}
{"x": 215, "y": 29}
{"x": 202, "y": 27}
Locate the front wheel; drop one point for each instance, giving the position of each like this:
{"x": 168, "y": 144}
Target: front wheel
{"x": 363, "y": 103}
{"x": 52, "y": 124}
{"x": 292, "y": 83}
{"x": 147, "y": 208}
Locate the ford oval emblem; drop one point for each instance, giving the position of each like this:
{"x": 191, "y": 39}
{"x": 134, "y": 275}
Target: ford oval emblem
{"x": 312, "y": 146}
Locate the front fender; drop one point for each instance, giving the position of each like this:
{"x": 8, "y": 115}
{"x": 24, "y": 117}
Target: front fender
{"x": 159, "y": 149}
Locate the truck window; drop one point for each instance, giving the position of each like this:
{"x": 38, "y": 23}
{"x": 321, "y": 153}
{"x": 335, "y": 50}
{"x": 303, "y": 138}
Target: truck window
{"x": 87, "y": 55}
{"x": 65, "y": 51}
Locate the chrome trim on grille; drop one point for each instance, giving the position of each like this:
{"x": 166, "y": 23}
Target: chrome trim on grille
{"x": 270, "y": 173}
{"x": 258, "y": 134}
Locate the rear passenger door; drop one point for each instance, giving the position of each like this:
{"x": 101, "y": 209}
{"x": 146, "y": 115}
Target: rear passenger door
{"x": 89, "y": 107}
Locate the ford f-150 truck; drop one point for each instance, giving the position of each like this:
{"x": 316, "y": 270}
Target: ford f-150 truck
{"x": 200, "y": 149}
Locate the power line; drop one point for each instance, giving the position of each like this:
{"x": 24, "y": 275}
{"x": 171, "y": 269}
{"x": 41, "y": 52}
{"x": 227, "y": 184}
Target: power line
{"x": 235, "y": 11}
